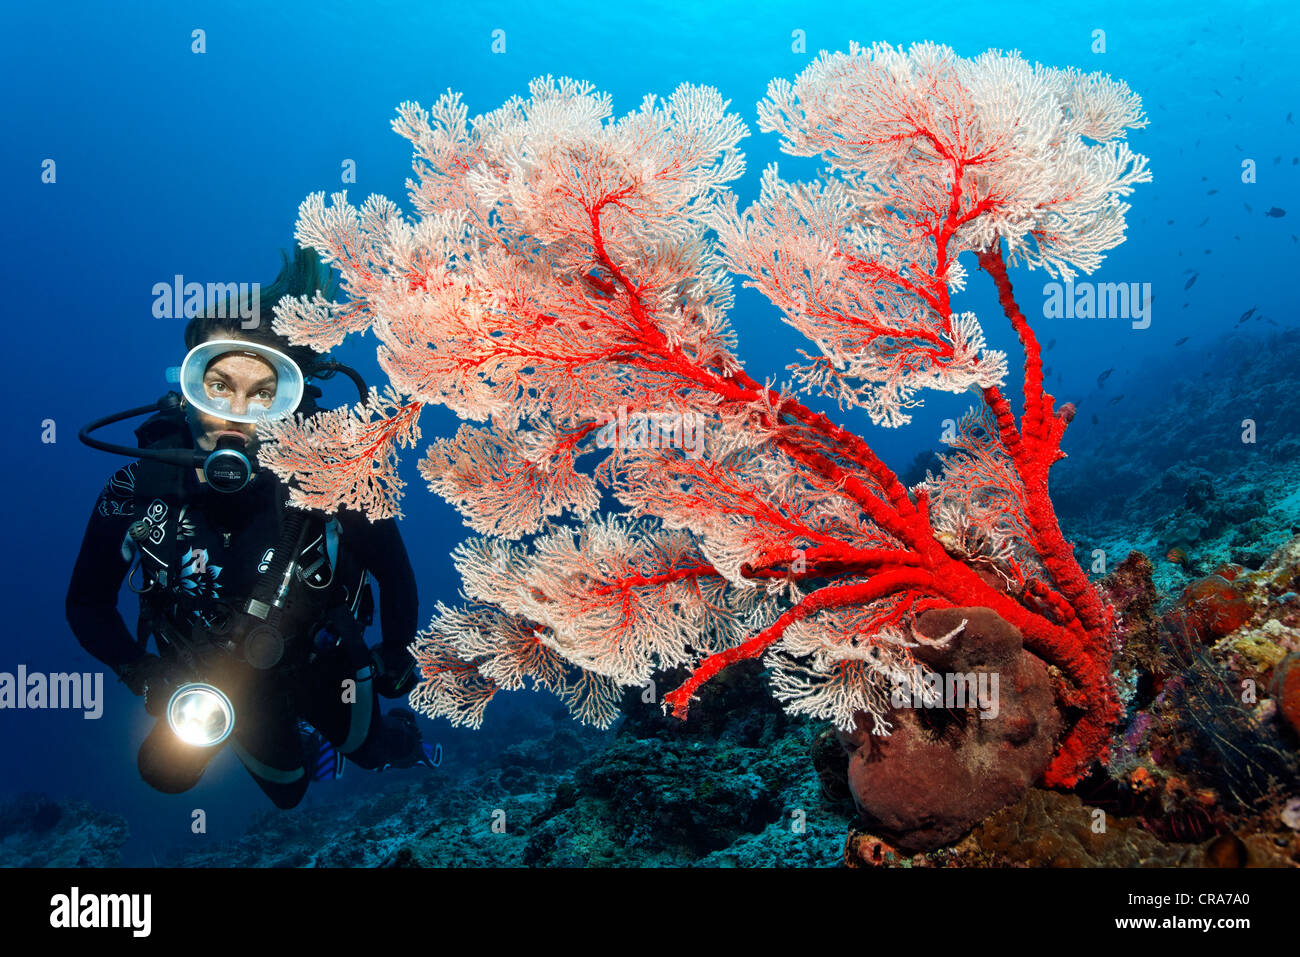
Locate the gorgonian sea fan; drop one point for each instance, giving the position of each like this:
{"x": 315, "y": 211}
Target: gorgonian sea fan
{"x": 565, "y": 286}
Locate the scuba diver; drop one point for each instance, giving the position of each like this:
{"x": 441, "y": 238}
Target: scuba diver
{"x": 258, "y": 609}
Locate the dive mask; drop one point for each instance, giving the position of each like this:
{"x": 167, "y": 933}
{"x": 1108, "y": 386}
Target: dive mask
{"x": 227, "y": 468}
{"x": 288, "y": 385}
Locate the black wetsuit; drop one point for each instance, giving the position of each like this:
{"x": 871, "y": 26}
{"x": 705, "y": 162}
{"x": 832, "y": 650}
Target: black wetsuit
{"x": 198, "y": 551}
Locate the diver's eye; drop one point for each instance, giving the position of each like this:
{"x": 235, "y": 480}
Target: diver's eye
{"x": 216, "y": 386}
{"x": 266, "y": 394}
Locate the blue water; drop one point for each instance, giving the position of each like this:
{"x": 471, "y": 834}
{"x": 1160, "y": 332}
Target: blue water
{"x": 171, "y": 162}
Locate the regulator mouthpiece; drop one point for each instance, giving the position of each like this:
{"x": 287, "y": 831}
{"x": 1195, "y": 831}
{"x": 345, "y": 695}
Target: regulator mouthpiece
{"x": 227, "y": 468}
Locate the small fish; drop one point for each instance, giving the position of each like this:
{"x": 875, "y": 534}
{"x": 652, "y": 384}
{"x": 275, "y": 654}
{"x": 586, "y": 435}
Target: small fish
{"x": 1189, "y": 282}
{"x": 1277, "y": 212}
{"x": 1104, "y": 376}
{"x": 1276, "y": 160}
{"x": 1049, "y": 345}
{"x": 1047, "y": 372}
{"x": 1289, "y": 120}
{"x": 1182, "y": 340}
{"x": 1218, "y": 94}
{"x": 1268, "y": 320}
{"x": 1116, "y": 399}
{"x": 1248, "y": 313}
{"x": 1203, "y": 222}
{"x": 1211, "y": 192}
{"x": 1242, "y": 319}
{"x": 1094, "y": 418}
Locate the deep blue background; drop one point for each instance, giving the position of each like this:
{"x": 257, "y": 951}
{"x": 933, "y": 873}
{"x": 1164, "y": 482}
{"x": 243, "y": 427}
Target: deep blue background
{"x": 171, "y": 162}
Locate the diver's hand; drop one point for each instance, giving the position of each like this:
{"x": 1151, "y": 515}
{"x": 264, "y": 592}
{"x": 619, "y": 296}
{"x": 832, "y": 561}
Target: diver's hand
{"x": 394, "y": 670}
{"x": 136, "y": 674}
{"x": 151, "y": 678}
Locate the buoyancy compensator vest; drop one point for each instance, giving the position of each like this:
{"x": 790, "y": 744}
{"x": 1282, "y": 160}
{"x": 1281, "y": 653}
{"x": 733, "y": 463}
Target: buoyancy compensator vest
{"x": 247, "y": 572}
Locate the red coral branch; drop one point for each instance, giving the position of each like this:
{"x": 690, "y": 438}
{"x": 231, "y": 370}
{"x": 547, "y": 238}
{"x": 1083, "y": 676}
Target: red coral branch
{"x": 1041, "y": 430}
{"x": 877, "y": 587}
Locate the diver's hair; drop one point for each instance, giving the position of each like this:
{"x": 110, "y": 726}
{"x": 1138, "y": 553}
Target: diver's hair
{"x": 304, "y": 276}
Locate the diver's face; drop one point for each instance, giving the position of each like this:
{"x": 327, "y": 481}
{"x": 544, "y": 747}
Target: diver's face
{"x": 242, "y": 379}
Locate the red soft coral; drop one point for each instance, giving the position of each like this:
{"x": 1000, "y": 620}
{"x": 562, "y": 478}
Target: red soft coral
{"x": 566, "y": 284}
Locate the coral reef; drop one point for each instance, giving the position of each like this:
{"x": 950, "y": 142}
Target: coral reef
{"x": 1205, "y": 772}
{"x": 723, "y": 793}
{"x": 1181, "y": 484}
{"x": 1202, "y": 773}
{"x": 38, "y": 831}
{"x": 1206, "y": 749}
{"x": 1049, "y": 829}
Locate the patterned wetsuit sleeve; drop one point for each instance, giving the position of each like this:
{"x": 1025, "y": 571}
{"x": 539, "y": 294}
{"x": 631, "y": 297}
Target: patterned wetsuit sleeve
{"x": 91, "y": 603}
{"x": 380, "y": 548}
